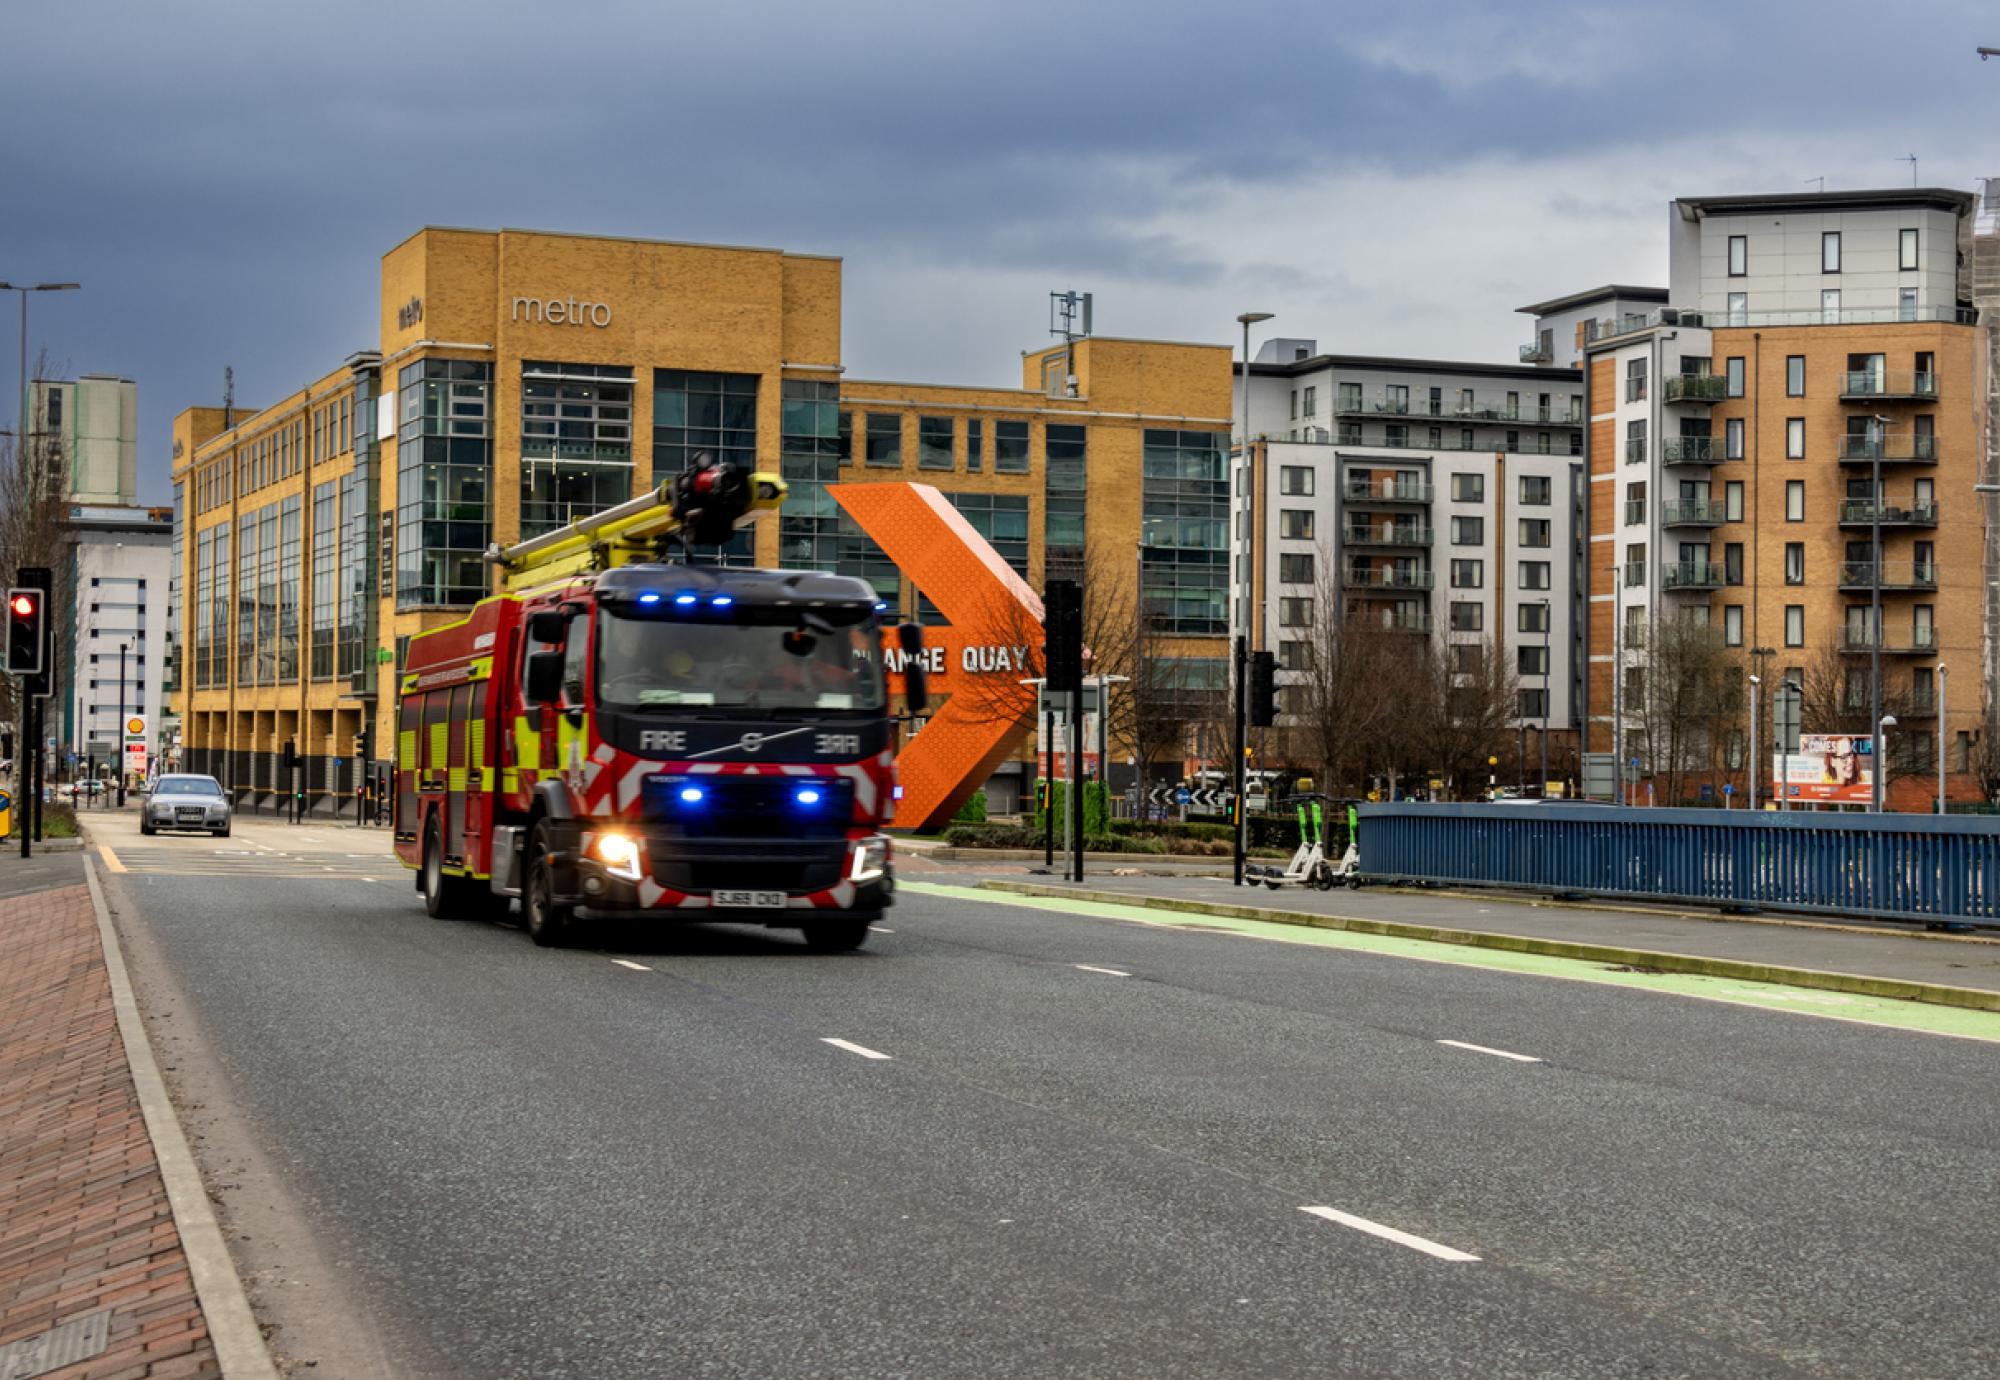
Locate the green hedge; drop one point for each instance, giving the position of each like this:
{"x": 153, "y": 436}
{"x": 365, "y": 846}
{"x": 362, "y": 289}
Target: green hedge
{"x": 973, "y": 811}
{"x": 1017, "y": 836}
{"x": 1096, "y": 809}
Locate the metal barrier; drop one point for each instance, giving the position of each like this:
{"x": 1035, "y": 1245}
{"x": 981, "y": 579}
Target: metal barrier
{"x": 1895, "y": 867}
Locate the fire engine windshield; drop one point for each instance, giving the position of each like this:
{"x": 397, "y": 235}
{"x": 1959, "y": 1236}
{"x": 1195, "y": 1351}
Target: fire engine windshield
{"x": 664, "y": 663}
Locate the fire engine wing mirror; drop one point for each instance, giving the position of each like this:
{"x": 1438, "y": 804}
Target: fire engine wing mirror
{"x": 916, "y": 684}
{"x": 544, "y": 677}
{"x": 547, "y": 626}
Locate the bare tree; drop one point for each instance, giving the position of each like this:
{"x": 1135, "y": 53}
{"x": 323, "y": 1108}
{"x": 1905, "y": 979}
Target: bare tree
{"x": 34, "y": 531}
{"x": 1837, "y": 700}
{"x": 1463, "y": 706}
{"x": 1693, "y": 699}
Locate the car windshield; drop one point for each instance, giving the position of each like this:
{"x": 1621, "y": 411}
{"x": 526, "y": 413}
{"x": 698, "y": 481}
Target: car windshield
{"x": 659, "y": 663}
{"x": 187, "y": 785}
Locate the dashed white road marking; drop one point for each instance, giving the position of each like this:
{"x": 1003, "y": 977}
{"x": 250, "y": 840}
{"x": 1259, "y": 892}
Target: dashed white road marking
{"x": 1093, "y": 968}
{"x": 1401, "y": 1238}
{"x": 1496, "y": 1053}
{"x": 636, "y": 967}
{"x": 852, "y": 1048}
{"x": 881, "y": 929}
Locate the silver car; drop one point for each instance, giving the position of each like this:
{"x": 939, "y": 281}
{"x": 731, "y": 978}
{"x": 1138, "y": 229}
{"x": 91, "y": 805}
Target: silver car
{"x": 186, "y": 802}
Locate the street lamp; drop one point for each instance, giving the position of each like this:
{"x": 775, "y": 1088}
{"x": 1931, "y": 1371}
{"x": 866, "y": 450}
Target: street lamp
{"x": 1882, "y": 727}
{"x": 1940, "y": 750}
{"x": 21, "y": 427}
{"x": 1242, "y": 650}
{"x": 1756, "y": 693}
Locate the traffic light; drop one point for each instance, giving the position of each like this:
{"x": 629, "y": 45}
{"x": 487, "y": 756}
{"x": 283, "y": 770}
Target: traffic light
{"x": 1062, "y": 629}
{"x": 27, "y": 615}
{"x": 1263, "y": 689}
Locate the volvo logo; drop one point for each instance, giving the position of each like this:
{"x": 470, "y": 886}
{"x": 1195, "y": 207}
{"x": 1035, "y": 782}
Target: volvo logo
{"x": 751, "y": 742}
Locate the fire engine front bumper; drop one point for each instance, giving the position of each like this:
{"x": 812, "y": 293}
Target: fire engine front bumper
{"x": 753, "y": 881}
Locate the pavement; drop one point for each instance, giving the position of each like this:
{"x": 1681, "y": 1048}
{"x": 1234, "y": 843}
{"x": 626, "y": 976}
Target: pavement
{"x": 95, "y": 1279}
{"x": 1018, "y": 1135}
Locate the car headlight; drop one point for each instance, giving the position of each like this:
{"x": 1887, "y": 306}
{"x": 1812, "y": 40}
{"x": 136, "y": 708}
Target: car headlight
{"x": 619, "y": 853}
{"x": 871, "y": 860}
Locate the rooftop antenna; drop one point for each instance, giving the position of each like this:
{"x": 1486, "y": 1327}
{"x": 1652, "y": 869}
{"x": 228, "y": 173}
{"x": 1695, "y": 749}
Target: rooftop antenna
{"x": 1819, "y": 183}
{"x": 1069, "y": 317}
{"x": 1911, "y": 159}
{"x": 228, "y": 397}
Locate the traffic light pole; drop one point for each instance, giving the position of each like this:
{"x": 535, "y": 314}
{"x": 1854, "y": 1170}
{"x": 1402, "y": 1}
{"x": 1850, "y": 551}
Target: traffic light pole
{"x": 1239, "y": 743}
{"x": 24, "y": 771}
{"x": 1076, "y": 781}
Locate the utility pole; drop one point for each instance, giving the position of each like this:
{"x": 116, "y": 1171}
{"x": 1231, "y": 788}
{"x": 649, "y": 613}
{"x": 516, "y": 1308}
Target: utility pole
{"x": 119, "y": 736}
{"x": 1241, "y": 723}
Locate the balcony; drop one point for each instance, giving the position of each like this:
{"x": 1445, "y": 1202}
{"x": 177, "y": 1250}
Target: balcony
{"x": 1896, "y": 575}
{"x": 1692, "y": 450}
{"x": 1391, "y": 620}
{"x": 1892, "y": 448}
{"x": 1386, "y": 534}
{"x": 1384, "y": 577}
{"x": 1690, "y": 575}
{"x": 1870, "y": 385}
{"x": 1861, "y": 513}
{"x": 1535, "y": 354}
{"x": 1691, "y": 514}
{"x": 1607, "y": 328}
{"x": 1387, "y": 491}
{"x": 1695, "y": 388}
{"x": 1916, "y": 642}
{"x": 1423, "y": 409}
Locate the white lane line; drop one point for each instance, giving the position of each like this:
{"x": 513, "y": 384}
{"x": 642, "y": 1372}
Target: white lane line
{"x": 635, "y": 967}
{"x": 1093, "y": 968}
{"x": 881, "y": 929}
{"x": 1401, "y": 1238}
{"x": 852, "y": 1048}
{"x": 1496, "y": 1053}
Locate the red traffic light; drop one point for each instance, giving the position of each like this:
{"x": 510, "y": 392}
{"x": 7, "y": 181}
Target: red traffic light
{"x": 24, "y": 605}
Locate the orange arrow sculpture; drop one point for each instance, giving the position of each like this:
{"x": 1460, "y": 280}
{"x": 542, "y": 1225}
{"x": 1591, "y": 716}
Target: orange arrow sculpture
{"x": 993, "y": 615}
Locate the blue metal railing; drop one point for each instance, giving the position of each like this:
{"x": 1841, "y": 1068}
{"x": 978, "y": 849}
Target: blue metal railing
{"x": 1896, "y": 867}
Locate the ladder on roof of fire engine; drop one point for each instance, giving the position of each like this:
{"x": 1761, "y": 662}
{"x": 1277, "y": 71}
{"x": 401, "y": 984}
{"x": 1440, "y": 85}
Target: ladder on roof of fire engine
{"x": 701, "y": 506}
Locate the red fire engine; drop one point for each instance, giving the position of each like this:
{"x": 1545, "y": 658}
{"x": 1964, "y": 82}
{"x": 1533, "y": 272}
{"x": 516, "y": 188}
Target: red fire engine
{"x": 619, "y": 732}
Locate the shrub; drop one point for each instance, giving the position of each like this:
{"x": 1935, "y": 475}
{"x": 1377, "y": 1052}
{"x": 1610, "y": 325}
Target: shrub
{"x": 973, "y": 811}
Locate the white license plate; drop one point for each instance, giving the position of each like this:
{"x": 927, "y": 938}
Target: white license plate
{"x": 759, "y": 900}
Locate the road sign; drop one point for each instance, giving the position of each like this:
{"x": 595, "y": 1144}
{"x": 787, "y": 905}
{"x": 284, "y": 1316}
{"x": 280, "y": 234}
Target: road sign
{"x": 1182, "y": 796}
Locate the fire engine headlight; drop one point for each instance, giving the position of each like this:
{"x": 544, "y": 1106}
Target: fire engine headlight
{"x": 871, "y": 860}
{"x": 620, "y": 855}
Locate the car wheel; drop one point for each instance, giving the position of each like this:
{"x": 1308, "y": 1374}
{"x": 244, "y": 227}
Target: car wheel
{"x": 145, "y": 828}
{"x": 836, "y": 936}
{"x": 221, "y": 833}
{"x": 547, "y": 921}
{"x": 445, "y": 898}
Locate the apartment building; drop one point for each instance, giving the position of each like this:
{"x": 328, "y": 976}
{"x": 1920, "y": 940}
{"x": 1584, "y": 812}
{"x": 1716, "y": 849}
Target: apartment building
{"x": 1815, "y": 374}
{"x": 524, "y": 379}
{"x": 114, "y": 646}
{"x": 90, "y": 426}
{"x": 1423, "y": 498}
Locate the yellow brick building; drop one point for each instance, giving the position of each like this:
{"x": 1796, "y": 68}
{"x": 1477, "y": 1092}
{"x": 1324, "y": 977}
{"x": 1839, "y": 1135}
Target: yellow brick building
{"x": 524, "y": 379}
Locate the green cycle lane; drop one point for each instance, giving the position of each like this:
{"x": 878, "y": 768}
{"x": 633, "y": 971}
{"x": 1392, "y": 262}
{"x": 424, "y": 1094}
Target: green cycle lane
{"x": 1921, "y": 1017}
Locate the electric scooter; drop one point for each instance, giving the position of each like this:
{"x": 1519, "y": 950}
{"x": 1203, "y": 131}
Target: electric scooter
{"x": 1308, "y": 866}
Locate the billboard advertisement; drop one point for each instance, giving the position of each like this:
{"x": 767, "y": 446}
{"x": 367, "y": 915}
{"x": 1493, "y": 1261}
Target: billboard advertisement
{"x": 1828, "y": 769}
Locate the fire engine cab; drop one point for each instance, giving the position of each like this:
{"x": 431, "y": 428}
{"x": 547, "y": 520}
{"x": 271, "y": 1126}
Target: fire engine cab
{"x": 620, "y": 732}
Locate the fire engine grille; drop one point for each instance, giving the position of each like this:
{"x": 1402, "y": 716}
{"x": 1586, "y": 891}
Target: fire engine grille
{"x": 750, "y": 807}
{"x": 713, "y": 865}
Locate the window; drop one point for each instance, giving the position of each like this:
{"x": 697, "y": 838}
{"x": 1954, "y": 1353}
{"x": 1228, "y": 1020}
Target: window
{"x": 1295, "y": 404}
{"x": 1532, "y": 618}
{"x": 1010, "y": 447}
{"x": 1829, "y": 251}
{"x": 1468, "y": 488}
{"x": 1467, "y": 617}
{"x": 1295, "y": 613}
{"x": 1795, "y": 562}
{"x": 1513, "y": 441}
{"x": 1732, "y": 438}
{"x": 1468, "y": 658}
{"x": 1533, "y": 532}
{"x": 975, "y": 445}
{"x": 885, "y": 440}
{"x": 1468, "y": 531}
{"x": 1295, "y": 481}
{"x": 1468, "y": 574}
{"x": 1003, "y": 520}
{"x": 1465, "y": 438}
{"x": 1635, "y": 504}
{"x": 1795, "y": 500}
{"x": 445, "y": 462}
{"x": 1294, "y": 655}
{"x": 1739, "y": 256}
{"x": 1350, "y": 397}
{"x": 1829, "y": 306}
{"x": 1295, "y": 524}
{"x": 1436, "y": 437}
{"x": 1635, "y": 379}
{"x": 1732, "y": 625}
{"x": 1534, "y": 575}
{"x": 1732, "y": 501}
{"x": 1795, "y": 438}
{"x": 1906, "y": 304}
{"x": 1635, "y": 565}
{"x": 1739, "y": 308}
{"x": 1065, "y": 451}
{"x": 1635, "y": 442}
{"x": 934, "y": 440}
{"x": 1295, "y": 569}
{"x": 1184, "y": 544}
{"x": 1795, "y": 376}
{"x": 1732, "y": 376}
{"x": 811, "y": 450}
{"x": 1906, "y": 249}
{"x": 1395, "y": 434}
{"x": 1535, "y": 489}
{"x": 1732, "y": 563}
{"x": 1532, "y": 661}
{"x": 1312, "y": 401}
{"x": 1795, "y": 625}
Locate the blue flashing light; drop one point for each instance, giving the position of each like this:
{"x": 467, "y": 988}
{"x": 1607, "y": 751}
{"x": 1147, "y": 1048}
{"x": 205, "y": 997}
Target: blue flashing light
{"x": 649, "y": 597}
{"x": 806, "y": 795}
{"x": 720, "y": 601}
{"x": 684, "y": 600}
{"x": 692, "y": 795}
{"x": 881, "y": 608}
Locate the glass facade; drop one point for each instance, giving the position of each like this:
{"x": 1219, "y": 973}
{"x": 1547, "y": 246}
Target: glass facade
{"x": 204, "y": 614}
{"x": 1010, "y": 447}
{"x": 1000, "y": 518}
{"x": 1184, "y": 542}
{"x": 246, "y": 604}
{"x": 576, "y": 442}
{"x": 1063, "y": 479}
{"x": 325, "y": 583}
{"x": 444, "y": 468}
{"x": 355, "y": 581}
{"x": 289, "y": 514}
{"x": 809, "y": 446}
{"x": 717, "y": 413}
{"x": 267, "y": 595}
{"x": 172, "y": 673}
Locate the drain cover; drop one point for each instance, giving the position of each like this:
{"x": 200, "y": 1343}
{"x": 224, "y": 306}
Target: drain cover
{"x": 65, "y": 1344}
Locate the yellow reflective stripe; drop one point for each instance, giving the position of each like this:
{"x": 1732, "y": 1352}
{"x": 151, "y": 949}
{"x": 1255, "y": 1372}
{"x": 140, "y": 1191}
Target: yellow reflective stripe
{"x": 510, "y": 780}
{"x": 527, "y": 741}
{"x": 438, "y": 744}
{"x": 406, "y": 750}
{"x": 569, "y": 740}
{"x": 485, "y": 778}
{"x": 454, "y": 779}
{"x": 475, "y": 743}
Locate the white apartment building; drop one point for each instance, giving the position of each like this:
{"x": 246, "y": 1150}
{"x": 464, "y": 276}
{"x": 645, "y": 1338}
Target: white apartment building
{"x": 121, "y": 569}
{"x": 1425, "y": 497}
{"x": 92, "y": 423}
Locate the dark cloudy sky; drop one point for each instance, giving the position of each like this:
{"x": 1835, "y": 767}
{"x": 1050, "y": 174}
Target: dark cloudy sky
{"x": 223, "y": 177}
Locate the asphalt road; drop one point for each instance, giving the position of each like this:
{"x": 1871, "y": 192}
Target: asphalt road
{"x": 1087, "y": 1152}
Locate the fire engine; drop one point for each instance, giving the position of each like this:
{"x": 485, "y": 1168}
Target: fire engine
{"x": 619, "y": 731}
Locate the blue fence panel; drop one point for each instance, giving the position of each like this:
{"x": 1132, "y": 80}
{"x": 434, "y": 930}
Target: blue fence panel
{"x": 1900, "y": 867}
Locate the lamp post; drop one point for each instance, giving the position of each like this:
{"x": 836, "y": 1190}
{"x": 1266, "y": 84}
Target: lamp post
{"x": 1882, "y": 727}
{"x": 1941, "y": 701}
{"x": 1241, "y": 718}
{"x": 119, "y": 737}
{"x": 1756, "y": 693}
{"x": 1875, "y": 599}
{"x": 21, "y": 427}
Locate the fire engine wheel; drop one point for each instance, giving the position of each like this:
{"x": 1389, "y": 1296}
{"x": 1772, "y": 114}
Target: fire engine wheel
{"x": 546, "y": 921}
{"x": 445, "y": 898}
{"x": 836, "y": 936}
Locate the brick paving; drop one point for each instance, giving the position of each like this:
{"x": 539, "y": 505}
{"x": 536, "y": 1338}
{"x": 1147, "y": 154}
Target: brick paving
{"x": 84, "y": 1219}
